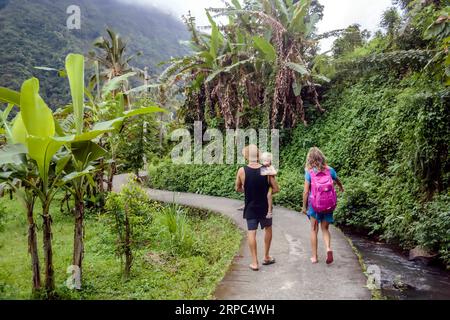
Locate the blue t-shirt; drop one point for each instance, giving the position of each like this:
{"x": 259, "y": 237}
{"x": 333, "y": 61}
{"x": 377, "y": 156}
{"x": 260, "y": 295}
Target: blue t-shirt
{"x": 332, "y": 171}
{"x": 308, "y": 178}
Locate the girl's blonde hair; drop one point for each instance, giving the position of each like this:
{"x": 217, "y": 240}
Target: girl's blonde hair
{"x": 316, "y": 159}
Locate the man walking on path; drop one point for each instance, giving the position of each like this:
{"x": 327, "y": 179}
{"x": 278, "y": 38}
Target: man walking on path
{"x": 256, "y": 187}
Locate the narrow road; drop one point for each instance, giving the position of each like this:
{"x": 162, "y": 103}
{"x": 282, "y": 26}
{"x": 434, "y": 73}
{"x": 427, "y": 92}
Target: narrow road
{"x": 293, "y": 277}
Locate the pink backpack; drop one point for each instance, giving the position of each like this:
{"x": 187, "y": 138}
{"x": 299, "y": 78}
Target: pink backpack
{"x": 323, "y": 196}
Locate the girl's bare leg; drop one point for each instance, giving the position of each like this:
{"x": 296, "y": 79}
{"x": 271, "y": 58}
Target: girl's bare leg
{"x": 314, "y": 232}
{"x": 325, "y": 226}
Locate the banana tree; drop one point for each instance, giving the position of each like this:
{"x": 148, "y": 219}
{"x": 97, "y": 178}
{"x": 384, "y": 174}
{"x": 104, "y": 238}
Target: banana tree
{"x": 34, "y": 129}
{"x": 262, "y": 58}
{"x": 42, "y": 138}
{"x": 16, "y": 168}
{"x": 84, "y": 152}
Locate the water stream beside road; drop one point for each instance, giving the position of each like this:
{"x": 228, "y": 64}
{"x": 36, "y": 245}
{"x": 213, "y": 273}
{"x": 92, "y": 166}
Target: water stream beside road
{"x": 402, "y": 279}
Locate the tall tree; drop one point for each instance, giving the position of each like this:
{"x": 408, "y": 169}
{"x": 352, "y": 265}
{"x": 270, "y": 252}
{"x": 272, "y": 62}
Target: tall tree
{"x": 390, "y": 21}
{"x": 352, "y": 38}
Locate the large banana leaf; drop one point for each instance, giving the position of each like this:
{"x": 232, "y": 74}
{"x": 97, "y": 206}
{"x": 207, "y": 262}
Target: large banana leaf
{"x": 19, "y": 132}
{"x": 266, "y": 48}
{"x": 216, "y": 36}
{"x": 75, "y": 72}
{"x": 300, "y": 68}
{"x": 213, "y": 75}
{"x": 85, "y": 152}
{"x": 114, "y": 124}
{"x": 9, "y": 96}
{"x": 298, "y": 20}
{"x": 11, "y": 154}
{"x": 78, "y": 174}
{"x": 36, "y": 115}
{"x": 6, "y": 125}
{"x": 145, "y": 110}
{"x": 116, "y": 82}
{"x": 42, "y": 149}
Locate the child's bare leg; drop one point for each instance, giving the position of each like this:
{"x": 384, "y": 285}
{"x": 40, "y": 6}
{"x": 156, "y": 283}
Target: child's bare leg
{"x": 314, "y": 232}
{"x": 270, "y": 202}
{"x": 325, "y": 226}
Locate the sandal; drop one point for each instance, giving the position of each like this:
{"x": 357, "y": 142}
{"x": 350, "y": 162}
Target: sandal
{"x": 269, "y": 262}
{"x": 330, "y": 258}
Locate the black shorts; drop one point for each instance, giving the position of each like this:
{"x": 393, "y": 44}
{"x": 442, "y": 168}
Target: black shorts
{"x": 253, "y": 224}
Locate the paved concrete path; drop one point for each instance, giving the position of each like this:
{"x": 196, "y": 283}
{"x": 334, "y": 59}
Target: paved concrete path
{"x": 293, "y": 277}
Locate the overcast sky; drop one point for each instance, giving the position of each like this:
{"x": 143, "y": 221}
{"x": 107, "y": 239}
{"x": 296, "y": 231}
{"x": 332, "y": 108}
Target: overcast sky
{"x": 338, "y": 13}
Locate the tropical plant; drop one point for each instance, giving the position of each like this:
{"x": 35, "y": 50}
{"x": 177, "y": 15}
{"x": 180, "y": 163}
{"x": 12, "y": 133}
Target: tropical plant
{"x": 84, "y": 152}
{"x": 16, "y": 167}
{"x": 37, "y": 135}
{"x": 439, "y": 31}
{"x": 262, "y": 59}
{"x": 111, "y": 65}
{"x": 35, "y": 131}
{"x": 127, "y": 210}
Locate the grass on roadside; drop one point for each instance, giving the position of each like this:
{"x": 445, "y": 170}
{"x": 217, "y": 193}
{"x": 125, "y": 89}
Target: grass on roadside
{"x": 158, "y": 272}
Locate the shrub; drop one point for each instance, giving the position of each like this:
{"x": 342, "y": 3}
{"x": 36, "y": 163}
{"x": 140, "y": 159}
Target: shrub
{"x": 432, "y": 230}
{"x": 215, "y": 180}
{"x": 358, "y": 208}
{"x": 127, "y": 211}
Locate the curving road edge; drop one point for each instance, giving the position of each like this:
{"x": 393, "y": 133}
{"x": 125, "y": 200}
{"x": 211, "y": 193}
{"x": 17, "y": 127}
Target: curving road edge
{"x": 293, "y": 277}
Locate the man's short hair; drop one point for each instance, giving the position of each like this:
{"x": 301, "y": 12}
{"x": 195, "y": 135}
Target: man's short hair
{"x": 251, "y": 153}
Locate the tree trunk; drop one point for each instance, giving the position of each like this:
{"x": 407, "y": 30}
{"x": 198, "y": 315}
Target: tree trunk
{"x": 33, "y": 249}
{"x": 111, "y": 176}
{"x": 78, "y": 245}
{"x": 128, "y": 252}
{"x": 100, "y": 177}
{"x": 48, "y": 251}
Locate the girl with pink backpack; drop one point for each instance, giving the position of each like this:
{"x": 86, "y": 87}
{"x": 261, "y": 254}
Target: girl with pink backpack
{"x": 319, "y": 199}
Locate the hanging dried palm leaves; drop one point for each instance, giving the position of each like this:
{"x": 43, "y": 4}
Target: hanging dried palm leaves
{"x": 258, "y": 60}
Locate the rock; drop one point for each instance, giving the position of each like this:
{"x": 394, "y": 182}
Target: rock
{"x": 422, "y": 255}
{"x": 399, "y": 284}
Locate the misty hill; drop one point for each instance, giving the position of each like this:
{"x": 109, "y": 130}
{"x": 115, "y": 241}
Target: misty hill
{"x": 34, "y": 33}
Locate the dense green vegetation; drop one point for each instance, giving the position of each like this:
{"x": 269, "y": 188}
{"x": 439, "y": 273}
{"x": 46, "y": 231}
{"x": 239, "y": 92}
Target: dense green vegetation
{"x": 164, "y": 267}
{"x": 386, "y": 131}
{"x": 34, "y": 34}
{"x": 377, "y": 106}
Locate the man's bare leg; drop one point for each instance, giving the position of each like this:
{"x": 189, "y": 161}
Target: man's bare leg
{"x": 251, "y": 237}
{"x": 267, "y": 243}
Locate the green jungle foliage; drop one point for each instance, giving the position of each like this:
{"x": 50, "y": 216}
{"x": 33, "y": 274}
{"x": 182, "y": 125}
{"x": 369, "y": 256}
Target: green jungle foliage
{"x": 386, "y": 132}
{"x": 389, "y": 145}
{"x": 34, "y": 34}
